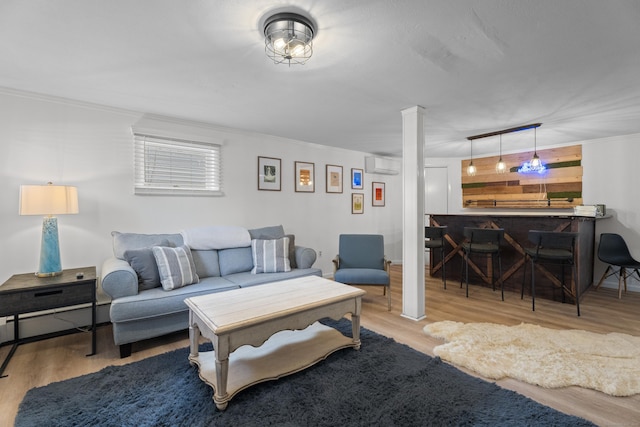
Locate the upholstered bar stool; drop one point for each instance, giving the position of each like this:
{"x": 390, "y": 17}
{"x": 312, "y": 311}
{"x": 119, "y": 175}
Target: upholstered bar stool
{"x": 551, "y": 247}
{"x": 485, "y": 241}
{"x": 434, "y": 239}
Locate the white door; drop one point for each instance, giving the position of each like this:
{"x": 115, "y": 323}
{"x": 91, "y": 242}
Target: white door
{"x": 436, "y": 190}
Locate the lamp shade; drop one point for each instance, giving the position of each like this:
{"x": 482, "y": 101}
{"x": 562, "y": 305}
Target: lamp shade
{"x": 48, "y": 199}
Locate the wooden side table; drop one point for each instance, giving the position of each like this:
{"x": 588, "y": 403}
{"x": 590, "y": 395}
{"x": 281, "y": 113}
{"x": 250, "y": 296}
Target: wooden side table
{"x": 26, "y": 293}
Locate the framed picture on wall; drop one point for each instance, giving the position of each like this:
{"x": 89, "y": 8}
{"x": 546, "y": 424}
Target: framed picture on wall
{"x": 269, "y": 173}
{"x": 377, "y": 196}
{"x": 357, "y": 176}
{"x": 334, "y": 179}
{"x": 357, "y": 203}
{"x": 305, "y": 177}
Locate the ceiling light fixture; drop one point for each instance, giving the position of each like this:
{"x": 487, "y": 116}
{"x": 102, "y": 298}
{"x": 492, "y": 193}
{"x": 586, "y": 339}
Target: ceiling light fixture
{"x": 501, "y": 166}
{"x": 288, "y": 38}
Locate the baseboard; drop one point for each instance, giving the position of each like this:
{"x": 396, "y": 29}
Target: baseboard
{"x": 633, "y": 285}
{"x": 52, "y": 321}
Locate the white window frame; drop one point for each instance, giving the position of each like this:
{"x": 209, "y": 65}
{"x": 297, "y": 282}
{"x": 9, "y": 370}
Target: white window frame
{"x": 176, "y": 167}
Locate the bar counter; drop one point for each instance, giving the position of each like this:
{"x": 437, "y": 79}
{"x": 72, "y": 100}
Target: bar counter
{"x": 516, "y": 228}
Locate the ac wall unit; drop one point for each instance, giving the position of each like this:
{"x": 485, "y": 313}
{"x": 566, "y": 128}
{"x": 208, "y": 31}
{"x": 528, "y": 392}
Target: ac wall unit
{"x": 381, "y": 165}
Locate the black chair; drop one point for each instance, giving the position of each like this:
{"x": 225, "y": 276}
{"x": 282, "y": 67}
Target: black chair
{"x": 613, "y": 250}
{"x": 485, "y": 241}
{"x": 554, "y": 247}
{"x": 434, "y": 239}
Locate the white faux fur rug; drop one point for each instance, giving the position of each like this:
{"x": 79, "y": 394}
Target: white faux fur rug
{"x": 546, "y": 357}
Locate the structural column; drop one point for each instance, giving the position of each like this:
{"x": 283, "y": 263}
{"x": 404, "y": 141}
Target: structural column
{"x": 413, "y": 304}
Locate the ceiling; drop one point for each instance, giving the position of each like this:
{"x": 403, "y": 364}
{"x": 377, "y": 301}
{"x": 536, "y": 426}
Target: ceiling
{"x": 475, "y": 66}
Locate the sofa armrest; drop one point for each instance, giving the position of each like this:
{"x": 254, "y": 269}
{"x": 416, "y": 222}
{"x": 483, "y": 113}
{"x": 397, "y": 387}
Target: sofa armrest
{"x": 118, "y": 278}
{"x": 336, "y": 263}
{"x": 305, "y": 257}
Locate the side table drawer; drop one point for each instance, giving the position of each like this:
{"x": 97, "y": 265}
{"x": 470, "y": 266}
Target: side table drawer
{"x": 47, "y": 298}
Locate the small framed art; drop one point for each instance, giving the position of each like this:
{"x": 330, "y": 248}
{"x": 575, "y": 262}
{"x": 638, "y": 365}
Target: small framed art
{"x": 357, "y": 203}
{"x": 377, "y": 196}
{"x": 356, "y": 179}
{"x": 334, "y": 179}
{"x": 305, "y": 177}
{"x": 269, "y": 174}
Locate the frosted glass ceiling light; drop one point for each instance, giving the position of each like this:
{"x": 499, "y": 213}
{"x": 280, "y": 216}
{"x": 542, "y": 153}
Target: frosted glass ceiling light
{"x": 288, "y": 38}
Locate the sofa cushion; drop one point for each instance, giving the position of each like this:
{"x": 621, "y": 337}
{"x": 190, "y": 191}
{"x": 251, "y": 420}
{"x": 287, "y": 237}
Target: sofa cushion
{"x": 206, "y": 262}
{"x": 124, "y": 241}
{"x": 175, "y": 266}
{"x": 216, "y": 237}
{"x": 158, "y": 303}
{"x": 247, "y": 279}
{"x": 272, "y": 232}
{"x": 145, "y": 266}
{"x": 235, "y": 260}
{"x": 270, "y": 256}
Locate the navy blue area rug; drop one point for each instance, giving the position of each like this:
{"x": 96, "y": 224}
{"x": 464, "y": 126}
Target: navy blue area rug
{"x": 382, "y": 384}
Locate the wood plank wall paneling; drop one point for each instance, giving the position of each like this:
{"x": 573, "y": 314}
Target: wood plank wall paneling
{"x": 560, "y": 186}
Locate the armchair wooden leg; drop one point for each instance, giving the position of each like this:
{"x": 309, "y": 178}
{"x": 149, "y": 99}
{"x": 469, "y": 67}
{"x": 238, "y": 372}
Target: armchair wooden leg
{"x": 388, "y": 297}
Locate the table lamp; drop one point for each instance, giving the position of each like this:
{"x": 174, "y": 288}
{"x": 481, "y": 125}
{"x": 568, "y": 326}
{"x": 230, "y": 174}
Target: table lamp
{"x": 49, "y": 200}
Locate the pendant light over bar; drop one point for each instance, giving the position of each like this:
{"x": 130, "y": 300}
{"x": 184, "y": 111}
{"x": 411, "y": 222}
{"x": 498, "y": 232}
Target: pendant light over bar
{"x": 501, "y": 167}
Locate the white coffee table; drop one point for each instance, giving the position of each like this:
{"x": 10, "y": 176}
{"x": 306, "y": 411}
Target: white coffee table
{"x": 268, "y": 331}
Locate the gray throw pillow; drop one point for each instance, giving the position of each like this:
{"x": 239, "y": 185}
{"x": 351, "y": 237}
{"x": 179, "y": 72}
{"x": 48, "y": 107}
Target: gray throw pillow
{"x": 175, "y": 266}
{"x": 272, "y": 232}
{"x": 144, "y": 264}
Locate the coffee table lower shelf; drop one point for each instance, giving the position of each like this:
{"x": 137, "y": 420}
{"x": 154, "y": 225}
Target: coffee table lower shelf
{"x": 284, "y": 353}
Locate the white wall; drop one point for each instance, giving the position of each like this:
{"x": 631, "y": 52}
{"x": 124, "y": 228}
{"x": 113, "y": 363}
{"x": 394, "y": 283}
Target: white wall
{"x": 44, "y": 139}
{"x": 610, "y": 176}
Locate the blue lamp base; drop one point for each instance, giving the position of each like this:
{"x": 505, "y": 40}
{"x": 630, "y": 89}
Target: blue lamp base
{"x": 49, "y": 249}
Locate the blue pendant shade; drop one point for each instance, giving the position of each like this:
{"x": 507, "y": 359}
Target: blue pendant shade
{"x": 48, "y": 200}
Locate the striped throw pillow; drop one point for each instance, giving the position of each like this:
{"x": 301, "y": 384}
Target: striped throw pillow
{"x": 270, "y": 256}
{"x": 175, "y": 266}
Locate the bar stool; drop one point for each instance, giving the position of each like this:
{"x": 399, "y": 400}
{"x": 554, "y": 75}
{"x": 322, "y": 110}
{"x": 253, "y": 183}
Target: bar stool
{"x": 484, "y": 241}
{"x": 434, "y": 239}
{"x": 554, "y": 247}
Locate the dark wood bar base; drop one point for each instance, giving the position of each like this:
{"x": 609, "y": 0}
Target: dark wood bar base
{"x": 516, "y": 227}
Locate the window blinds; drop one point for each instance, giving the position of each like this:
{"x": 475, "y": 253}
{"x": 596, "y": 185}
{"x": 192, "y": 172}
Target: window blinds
{"x": 172, "y": 166}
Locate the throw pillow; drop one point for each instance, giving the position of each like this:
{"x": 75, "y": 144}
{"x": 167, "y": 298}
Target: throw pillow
{"x": 175, "y": 266}
{"x": 144, "y": 264}
{"x": 292, "y": 250}
{"x": 272, "y": 232}
{"x": 270, "y": 256}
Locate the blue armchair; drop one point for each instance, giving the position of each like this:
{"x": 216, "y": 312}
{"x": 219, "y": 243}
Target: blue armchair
{"x": 361, "y": 261}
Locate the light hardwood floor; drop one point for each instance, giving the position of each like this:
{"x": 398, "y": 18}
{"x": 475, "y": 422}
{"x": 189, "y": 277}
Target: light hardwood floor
{"x": 39, "y": 363}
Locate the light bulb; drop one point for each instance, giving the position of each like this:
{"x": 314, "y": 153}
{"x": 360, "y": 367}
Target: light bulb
{"x": 279, "y": 44}
{"x": 471, "y": 169}
{"x": 501, "y": 166}
{"x": 298, "y": 50}
{"x": 535, "y": 162}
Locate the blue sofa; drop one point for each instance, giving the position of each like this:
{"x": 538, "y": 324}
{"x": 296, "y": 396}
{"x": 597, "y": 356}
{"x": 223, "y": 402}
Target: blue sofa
{"x": 141, "y": 307}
